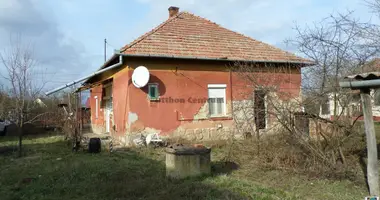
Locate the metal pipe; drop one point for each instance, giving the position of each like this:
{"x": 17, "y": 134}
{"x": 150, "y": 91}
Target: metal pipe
{"x": 86, "y": 77}
{"x": 360, "y": 84}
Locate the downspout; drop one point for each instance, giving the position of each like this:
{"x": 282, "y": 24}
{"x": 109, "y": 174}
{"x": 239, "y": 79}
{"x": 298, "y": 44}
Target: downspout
{"x": 232, "y": 102}
{"x": 86, "y": 77}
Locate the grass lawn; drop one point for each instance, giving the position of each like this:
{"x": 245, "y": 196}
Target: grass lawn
{"x": 49, "y": 170}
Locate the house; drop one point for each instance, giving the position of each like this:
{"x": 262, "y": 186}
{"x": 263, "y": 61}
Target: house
{"x": 349, "y": 104}
{"x": 350, "y": 107}
{"x": 85, "y": 113}
{"x": 192, "y": 91}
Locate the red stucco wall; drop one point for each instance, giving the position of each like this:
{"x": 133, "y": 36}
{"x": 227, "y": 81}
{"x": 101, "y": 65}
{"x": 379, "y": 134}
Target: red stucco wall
{"x": 120, "y": 93}
{"x": 187, "y": 86}
{"x": 96, "y": 91}
{"x": 187, "y": 82}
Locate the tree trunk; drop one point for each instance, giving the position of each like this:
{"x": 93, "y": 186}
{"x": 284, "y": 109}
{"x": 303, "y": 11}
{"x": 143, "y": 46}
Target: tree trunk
{"x": 21, "y": 132}
{"x": 372, "y": 165}
{"x": 258, "y": 140}
{"x": 20, "y": 145}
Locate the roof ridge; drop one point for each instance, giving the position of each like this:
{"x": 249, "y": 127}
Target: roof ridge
{"x": 139, "y": 39}
{"x": 250, "y": 38}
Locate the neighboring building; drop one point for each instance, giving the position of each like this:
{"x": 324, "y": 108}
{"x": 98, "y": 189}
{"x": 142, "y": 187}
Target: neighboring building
{"x": 349, "y": 105}
{"x": 85, "y": 114}
{"x": 192, "y": 92}
{"x": 352, "y": 107}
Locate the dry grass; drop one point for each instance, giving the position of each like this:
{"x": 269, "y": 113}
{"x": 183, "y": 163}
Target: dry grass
{"x": 49, "y": 170}
{"x": 286, "y": 166}
{"x": 282, "y": 152}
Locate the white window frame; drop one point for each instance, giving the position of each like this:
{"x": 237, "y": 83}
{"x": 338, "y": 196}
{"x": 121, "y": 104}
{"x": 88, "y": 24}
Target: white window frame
{"x": 375, "y": 94}
{"x": 96, "y": 107}
{"x": 107, "y": 88}
{"x": 219, "y": 86}
{"x": 327, "y": 103}
{"x": 158, "y": 91}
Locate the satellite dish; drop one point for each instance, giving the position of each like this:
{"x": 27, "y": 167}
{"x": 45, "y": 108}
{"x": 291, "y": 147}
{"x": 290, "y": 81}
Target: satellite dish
{"x": 140, "y": 77}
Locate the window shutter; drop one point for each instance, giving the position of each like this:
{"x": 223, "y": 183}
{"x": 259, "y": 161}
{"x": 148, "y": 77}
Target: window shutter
{"x": 153, "y": 93}
{"x": 217, "y": 99}
{"x": 217, "y": 93}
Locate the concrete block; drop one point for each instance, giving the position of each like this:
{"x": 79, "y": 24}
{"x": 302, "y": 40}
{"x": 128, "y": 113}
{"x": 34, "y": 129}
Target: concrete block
{"x": 182, "y": 162}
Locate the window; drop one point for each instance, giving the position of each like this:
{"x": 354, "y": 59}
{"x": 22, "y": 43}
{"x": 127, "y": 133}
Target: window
{"x": 260, "y": 109}
{"x": 356, "y": 109}
{"x": 325, "y": 107}
{"x": 107, "y": 92}
{"x": 377, "y": 97}
{"x": 153, "y": 93}
{"x": 106, "y": 95}
{"x": 217, "y": 99}
{"x": 96, "y": 107}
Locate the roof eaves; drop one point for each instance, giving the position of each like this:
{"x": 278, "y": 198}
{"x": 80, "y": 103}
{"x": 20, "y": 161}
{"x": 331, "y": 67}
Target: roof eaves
{"x": 105, "y": 65}
{"x": 364, "y": 76}
{"x": 108, "y": 62}
{"x": 305, "y": 63}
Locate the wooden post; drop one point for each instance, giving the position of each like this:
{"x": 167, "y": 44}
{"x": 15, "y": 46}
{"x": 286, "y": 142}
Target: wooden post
{"x": 372, "y": 166}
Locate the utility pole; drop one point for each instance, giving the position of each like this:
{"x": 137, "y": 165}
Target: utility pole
{"x": 365, "y": 85}
{"x": 105, "y": 50}
{"x": 372, "y": 166}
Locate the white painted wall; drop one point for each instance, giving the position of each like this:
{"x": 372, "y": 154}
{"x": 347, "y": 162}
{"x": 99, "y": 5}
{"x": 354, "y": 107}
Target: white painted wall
{"x": 375, "y": 109}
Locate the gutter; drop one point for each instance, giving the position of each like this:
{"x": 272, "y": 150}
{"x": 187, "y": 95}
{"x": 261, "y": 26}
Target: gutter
{"x": 360, "y": 84}
{"x": 107, "y": 62}
{"x": 86, "y": 77}
{"x": 211, "y": 59}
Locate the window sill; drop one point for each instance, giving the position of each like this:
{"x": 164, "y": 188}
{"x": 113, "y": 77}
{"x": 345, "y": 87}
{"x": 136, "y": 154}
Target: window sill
{"x": 220, "y": 118}
{"x": 212, "y": 118}
{"x": 154, "y": 99}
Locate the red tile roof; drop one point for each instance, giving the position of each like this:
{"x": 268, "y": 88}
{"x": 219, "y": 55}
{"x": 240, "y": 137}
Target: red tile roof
{"x": 371, "y": 66}
{"x": 190, "y": 36}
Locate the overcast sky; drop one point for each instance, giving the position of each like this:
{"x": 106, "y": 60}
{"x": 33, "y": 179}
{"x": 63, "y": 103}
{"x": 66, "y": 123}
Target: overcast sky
{"x": 68, "y": 35}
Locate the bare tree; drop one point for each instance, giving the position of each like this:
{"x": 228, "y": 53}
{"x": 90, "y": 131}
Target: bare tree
{"x": 270, "y": 91}
{"x": 71, "y": 122}
{"x": 339, "y": 45}
{"x": 3, "y": 102}
{"x": 276, "y": 107}
{"x": 24, "y": 90}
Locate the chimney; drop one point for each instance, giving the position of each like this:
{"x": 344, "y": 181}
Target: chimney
{"x": 173, "y": 11}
